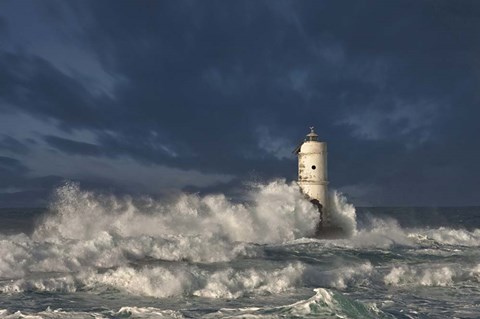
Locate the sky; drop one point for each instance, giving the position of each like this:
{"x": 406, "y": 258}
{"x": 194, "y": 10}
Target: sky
{"x": 159, "y": 97}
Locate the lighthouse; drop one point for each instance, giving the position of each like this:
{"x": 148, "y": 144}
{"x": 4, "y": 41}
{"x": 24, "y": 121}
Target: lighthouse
{"x": 312, "y": 173}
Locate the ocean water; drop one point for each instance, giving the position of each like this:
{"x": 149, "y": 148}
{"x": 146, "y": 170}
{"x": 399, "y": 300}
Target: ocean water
{"x": 99, "y": 256}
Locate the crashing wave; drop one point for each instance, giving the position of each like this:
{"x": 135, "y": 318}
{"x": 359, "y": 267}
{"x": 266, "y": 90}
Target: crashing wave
{"x": 324, "y": 304}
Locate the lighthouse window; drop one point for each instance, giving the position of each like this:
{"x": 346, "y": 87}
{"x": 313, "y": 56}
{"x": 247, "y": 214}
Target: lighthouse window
{"x": 314, "y": 167}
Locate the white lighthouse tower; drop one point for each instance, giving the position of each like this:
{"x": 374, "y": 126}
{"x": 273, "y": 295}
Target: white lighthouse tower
{"x": 312, "y": 173}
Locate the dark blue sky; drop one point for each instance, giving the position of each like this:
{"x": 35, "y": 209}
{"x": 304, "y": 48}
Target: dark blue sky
{"x": 151, "y": 97}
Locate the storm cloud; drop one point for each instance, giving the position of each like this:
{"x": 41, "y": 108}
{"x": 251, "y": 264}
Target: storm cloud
{"x": 203, "y": 95}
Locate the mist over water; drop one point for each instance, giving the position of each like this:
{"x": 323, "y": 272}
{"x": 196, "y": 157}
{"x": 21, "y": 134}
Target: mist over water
{"x": 208, "y": 256}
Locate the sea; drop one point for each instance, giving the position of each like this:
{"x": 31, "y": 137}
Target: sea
{"x": 98, "y": 255}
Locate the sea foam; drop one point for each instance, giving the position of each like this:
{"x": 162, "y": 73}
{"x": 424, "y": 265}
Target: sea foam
{"x": 89, "y": 241}
{"x": 275, "y": 212}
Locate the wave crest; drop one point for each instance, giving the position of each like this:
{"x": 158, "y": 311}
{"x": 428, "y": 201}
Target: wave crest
{"x": 277, "y": 212}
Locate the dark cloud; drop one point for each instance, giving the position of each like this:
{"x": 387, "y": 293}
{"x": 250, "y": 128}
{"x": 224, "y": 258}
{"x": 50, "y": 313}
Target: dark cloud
{"x": 13, "y": 145}
{"x": 73, "y": 147}
{"x": 3, "y": 27}
{"x": 35, "y": 86}
{"x": 227, "y": 88}
{"x": 12, "y": 166}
